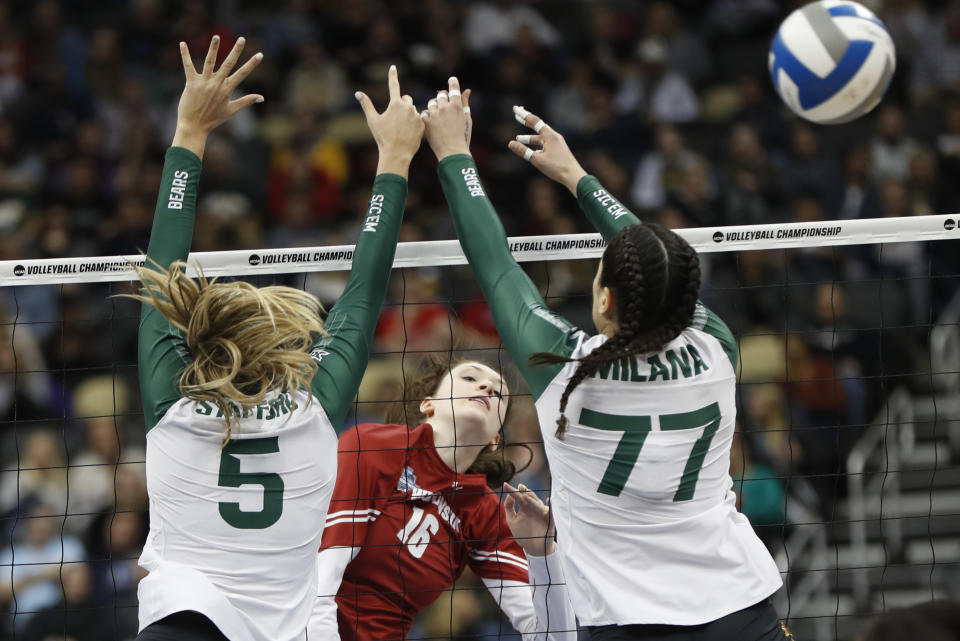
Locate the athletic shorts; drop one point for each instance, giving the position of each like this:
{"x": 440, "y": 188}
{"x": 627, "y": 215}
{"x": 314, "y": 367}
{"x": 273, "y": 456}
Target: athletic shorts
{"x": 182, "y": 626}
{"x": 757, "y": 623}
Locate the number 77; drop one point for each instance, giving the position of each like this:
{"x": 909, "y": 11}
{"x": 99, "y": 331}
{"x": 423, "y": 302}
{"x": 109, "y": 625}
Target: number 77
{"x": 635, "y": 430}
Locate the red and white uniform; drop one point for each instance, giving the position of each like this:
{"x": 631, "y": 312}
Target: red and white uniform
{"x": 401, "y": 528}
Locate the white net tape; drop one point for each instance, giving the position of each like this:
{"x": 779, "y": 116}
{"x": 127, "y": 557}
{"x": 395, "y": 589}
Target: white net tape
{"x": 525, "y": 248}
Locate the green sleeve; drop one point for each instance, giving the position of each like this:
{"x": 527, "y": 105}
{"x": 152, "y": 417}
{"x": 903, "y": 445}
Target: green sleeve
{"x": 525, "y": 324}
{"x": 342, "y": 355}
{"x": 704, "y": 319}
{"x": 162, "y": 351}
{"x": 605, "y": 213}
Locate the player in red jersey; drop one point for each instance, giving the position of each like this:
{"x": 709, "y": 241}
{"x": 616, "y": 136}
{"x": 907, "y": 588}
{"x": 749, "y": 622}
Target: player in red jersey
{"x": 412, "y": 509}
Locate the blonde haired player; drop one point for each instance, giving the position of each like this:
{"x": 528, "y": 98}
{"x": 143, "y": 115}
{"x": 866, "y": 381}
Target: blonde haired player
{"x": 242, "y": 388}
{"x": 637, "y": 420}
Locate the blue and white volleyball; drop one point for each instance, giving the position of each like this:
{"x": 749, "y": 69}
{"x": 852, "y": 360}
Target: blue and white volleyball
{"x": 831, "y": 61}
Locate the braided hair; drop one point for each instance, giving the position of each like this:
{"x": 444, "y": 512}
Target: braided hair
{"x": 655, "y": 278}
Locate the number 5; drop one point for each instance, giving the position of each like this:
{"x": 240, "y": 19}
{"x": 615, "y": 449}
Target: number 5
{"x": 231, "y": 476}
{"x": 635, "y": 430}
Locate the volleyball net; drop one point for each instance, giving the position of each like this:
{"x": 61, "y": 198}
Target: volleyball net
{"x": 845, "y": 460}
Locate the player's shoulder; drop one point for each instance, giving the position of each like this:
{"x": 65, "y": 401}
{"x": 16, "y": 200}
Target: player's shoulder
{"x": 585, "y": 343}
{"x": 377, "y": 438}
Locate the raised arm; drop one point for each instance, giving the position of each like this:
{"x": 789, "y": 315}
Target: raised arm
{"x": 525, "y": 324}
{"x": 548, "y": 151}
{"x": 342, "y": 355}
{"x": 204, "y": 104}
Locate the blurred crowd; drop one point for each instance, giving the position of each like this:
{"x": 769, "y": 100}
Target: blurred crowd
{"x": 667, "y": 103}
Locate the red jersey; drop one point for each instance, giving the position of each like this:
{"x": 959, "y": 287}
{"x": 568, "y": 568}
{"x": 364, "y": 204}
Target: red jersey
{"x": 418, "y": 524}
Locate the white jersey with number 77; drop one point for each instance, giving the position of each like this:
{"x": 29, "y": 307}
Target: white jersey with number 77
{"x": 641, "y": 492}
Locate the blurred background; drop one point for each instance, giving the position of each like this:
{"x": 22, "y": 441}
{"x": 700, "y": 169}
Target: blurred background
{"x": 846, "y": 458}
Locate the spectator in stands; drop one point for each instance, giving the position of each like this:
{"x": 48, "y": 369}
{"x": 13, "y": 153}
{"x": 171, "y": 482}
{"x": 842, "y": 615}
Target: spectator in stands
{"x": 686, "y": 48}
{"x": 891, "y": 146}
{"x": 113, "y": 571}
{"x": 26, "y": 391}
{"x": 76, "y": 615}
{"x": 490, "y": 25}
{"x": 33, "y": 564}
{"x": 317, "y": 83}
{"x": 854, "y": 196}
{"x": 662, "y": 171}
{"x": 567, "y": 101}
{"x": 38, "y": 477}
{"x": 750, "y": 185}
{"x": 22, "y": 168}
{"x": 948, "y": 155}
{"x": 809, "y": 169}
{"x": 696, "y": 198}
{"x": 654, "y": 90}
{"x": 760, "y": 493}
{"x": 99, "y": 403}
{"x": 937, "y": 65}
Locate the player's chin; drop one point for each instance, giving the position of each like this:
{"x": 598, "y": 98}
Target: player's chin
{"x": 473, "y": 414}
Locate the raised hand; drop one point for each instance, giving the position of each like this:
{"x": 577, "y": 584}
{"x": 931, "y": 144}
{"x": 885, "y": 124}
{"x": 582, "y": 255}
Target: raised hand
{"x": 205, "y": 102}
{"x": 529, "y": 521}
{"x": 448, "y": 121}
{"x": 546, "y": 150}
{"x": 397, "y": 131}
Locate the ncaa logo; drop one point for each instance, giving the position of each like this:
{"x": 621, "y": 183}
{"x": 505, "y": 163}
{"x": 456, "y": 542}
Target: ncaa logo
{"x": 254, "y": 259}
{"x": 19, "y": 270}
{"x": 717, "y": 236}
{"x": 949, "y": 224}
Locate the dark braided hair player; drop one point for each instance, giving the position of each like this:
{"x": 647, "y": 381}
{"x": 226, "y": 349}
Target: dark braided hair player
{"x": 637, "y": 419}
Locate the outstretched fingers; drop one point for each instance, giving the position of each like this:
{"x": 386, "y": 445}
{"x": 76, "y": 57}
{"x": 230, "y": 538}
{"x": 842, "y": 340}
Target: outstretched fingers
{"x": 453, "y": 89}
{"x": 211, "y": 60}
{"x": 393, "y": 82}
{"x": 244, "y": 102}
{"x": 528, "y": 119}
{"x": 528, "y": 139}
{"x": 189, "y": 69}
{"x": 241, "y": 74}
{"x": 231, "y": 60}
{"x": 366, "y": 104}
{"x": 523, "y": 151}
{"x": 510, "y": 502}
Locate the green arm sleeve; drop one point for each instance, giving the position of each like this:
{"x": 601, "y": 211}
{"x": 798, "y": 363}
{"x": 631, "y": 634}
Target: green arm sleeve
{"x": 525, "y": 324}
{"x": 162, "y": 352}
{"x": 605, "y": 213}
{"x": 342, "y": 355}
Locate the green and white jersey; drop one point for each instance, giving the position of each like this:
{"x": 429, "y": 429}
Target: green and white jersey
{"x": 235, "y": 527}
{"x": 641, "y": 490}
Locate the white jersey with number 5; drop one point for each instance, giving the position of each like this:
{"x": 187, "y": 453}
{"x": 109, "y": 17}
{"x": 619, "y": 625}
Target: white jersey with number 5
{"x": 233, "y": 526}
{"x": 642, "y": 494}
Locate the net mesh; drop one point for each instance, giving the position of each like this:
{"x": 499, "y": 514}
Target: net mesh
{"x": 845, "y": 460}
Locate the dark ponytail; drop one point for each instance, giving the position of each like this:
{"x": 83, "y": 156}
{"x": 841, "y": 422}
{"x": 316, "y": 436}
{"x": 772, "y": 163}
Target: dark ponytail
{"x": 655, "y": 278}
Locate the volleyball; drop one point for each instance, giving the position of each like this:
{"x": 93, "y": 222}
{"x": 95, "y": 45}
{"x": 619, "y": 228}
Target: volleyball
{"x": 831, "y": 61}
